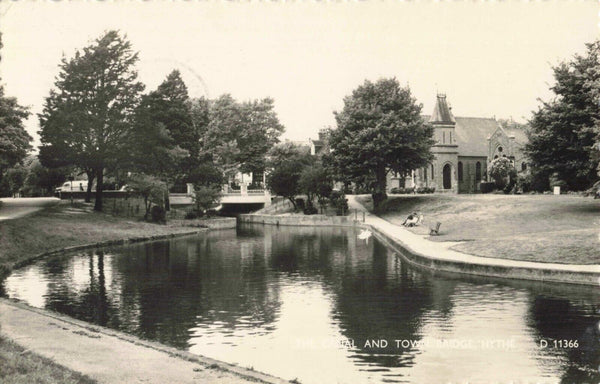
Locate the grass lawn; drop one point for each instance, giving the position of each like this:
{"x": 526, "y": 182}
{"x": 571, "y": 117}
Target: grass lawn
{"x": 19, "y": 366}
{"x": 545, "y": 228}
{"x": 65, "y": 225}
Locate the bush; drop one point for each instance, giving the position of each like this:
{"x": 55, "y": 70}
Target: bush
{"x": 510, "y": 186}
{"x": 211, "y": 213}
{"x": 339, "y": 202}
{"x": 523, "y": 183}
{"x": 503, "y": 172}
{"x": 191, "y": 215}
{"x": 395, "y": 190}
{"x": 360, "y": 190}
{"x": 539, "y": 181}
{"x": 310, "y": 210}
{"x": 425, "y": 190}
{"x": 158, "y": 214}
{"x": 487, "y": 186}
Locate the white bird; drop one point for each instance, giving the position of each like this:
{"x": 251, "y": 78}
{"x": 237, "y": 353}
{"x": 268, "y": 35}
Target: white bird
{"x": 365, "y": 234}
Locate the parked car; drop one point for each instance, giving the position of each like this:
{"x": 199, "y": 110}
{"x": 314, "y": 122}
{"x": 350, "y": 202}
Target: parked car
{"x": 73, "y": 186}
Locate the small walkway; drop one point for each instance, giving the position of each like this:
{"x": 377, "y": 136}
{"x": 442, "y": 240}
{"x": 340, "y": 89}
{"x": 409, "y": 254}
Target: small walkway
{"x": 109, "y": 356}
{"x": 440, "y": 251}
{"x": 12, "y": 208}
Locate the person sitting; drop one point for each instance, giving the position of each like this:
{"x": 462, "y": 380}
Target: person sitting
{"x": 411, "y": 220}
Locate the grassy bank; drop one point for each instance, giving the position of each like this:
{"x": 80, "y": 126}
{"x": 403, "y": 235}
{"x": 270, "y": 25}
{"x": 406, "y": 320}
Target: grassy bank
{"x": 544, "y": 228}
{"x": 65, "y": 225}
{"x": 50, "y": 229}
{"x": 19, "y": 366}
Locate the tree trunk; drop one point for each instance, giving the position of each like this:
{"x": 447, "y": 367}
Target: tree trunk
{"x": 99, "y": 181}
{"x": 291, "y": 199}
{"x": 379, "y": 195}
{"x": 167, "y": 201}
{"x": 88, "y": 192}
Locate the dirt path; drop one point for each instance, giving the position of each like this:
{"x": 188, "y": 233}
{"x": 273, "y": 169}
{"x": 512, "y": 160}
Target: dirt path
{"x": 113, "y": 357}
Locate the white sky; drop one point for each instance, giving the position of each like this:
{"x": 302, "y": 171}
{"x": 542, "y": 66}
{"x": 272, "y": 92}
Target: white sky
{"x": 491, "y": 59}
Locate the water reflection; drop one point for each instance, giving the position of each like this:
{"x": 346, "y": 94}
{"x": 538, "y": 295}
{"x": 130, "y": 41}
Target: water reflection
{"x": 323, "y": 306}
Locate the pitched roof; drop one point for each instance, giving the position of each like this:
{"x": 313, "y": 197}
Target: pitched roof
{"x": 472, "y": 134}
{"x": 519, "y": 134}
{"x": 441, "y": 111}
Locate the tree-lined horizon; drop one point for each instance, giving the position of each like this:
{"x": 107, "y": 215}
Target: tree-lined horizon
{"x": 97, "y": 120}
{"x": 14, "y": 139}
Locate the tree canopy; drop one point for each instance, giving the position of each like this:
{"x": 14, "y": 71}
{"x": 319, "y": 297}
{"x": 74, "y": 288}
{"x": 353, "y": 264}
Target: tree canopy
{"x": 88, "y": 116}
{"x": 287, "y": 162}
{"x": 163, "y": 135}
{"x": 239, "y": 135}
{"x": 14, "y": 139}
{"x": 379, "y": 130}
{"x": 565, "y": 130}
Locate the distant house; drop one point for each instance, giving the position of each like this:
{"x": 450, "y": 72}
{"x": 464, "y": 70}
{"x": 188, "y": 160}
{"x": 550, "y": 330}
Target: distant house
{"x": 321, "y": 145}
{"x": 463, "y": 150}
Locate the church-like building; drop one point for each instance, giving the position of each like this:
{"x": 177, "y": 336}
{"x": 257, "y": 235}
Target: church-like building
{"x": 463, "y": 150}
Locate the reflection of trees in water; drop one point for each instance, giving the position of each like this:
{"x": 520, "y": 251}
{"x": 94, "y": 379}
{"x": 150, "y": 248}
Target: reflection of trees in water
{"x": 160, "y": 289}
{"x": 304, "y": 253}
{"x": 91, "y": 303}
{"x": 558, "y": 318}
{"x": 382, "y": 301}
{"x": 196, "y": 278}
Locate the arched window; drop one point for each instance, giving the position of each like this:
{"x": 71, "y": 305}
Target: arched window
{"x": 425, "y": 173}
{"x": 460, "y": 171}
{"x": 447, "y": 176}
{"x": 523, "y": 166}
{"x": 432, "y": 173}
{"x": 478, "y": 171}
{"x": 500, "y": 149}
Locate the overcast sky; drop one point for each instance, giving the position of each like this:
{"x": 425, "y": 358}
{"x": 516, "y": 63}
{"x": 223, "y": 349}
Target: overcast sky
{"x": 491, "y": 59}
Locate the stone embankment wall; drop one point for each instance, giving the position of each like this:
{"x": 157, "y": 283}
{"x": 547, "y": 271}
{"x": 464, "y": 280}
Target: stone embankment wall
{"x": 504, "y": 271}
{"x": 220, "y": 223}
{"x": 477, "y": 266}
{"x": 304, "y": 220}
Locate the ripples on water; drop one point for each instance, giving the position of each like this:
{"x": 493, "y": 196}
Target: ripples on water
{"x": 317, "y": 304}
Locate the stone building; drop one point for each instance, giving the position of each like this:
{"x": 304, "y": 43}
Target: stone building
{"x": 463, "y": 150}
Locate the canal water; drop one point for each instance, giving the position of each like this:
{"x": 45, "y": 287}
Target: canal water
{"x": 323, "y": 306}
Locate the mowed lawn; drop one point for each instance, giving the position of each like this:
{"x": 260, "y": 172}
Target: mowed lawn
{"x": 545, "y": 228}
{"x": 65, "y": 225}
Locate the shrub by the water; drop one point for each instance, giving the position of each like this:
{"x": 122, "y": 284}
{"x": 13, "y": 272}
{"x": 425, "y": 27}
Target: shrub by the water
{"x": 310, "y": 210}
{"x": 339, "y": 202}
{"x": 191, "y": 215}
{"x": 158, "y": 214}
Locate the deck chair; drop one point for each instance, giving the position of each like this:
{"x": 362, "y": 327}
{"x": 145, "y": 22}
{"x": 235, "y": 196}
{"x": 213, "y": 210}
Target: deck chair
{"x": 434, "y": 228}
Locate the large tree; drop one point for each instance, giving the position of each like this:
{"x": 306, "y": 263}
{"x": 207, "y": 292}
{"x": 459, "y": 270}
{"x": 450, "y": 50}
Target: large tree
{"x": 380, "y": 129}
{"x": 240, "y": 134}
{"x": 163, "y": 136}
{"x": 14, "y": 139}
{"x": 86, "y": 120}
{"x": 287, "y": 162}
{"x": 565, "y": 129}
